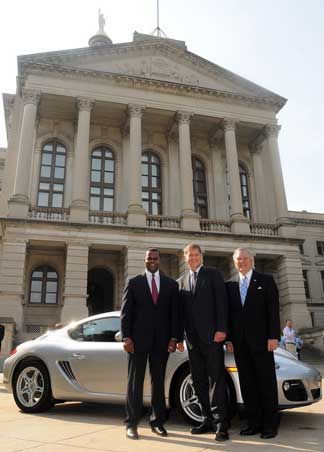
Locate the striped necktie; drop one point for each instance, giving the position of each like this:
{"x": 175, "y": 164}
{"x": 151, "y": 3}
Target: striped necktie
{"x": 243, "y": 289}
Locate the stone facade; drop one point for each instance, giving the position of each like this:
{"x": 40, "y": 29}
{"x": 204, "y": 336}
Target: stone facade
{"x": 153, "y": 95}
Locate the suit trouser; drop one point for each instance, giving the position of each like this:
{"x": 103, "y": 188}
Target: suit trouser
{"x": 136, "y": 374}
{"x": 258, "y": 384}
{"x": 208, "y": 372}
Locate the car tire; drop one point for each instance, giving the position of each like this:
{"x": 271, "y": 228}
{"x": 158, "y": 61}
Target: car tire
{"x": 32, "y": 387}
{"x": 187, "y": 402}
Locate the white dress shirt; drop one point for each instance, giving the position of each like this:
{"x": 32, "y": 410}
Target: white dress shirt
{"x": 192, "y": 276}
{"x": 248, "y": 276}
{"x": 156, "y": 277}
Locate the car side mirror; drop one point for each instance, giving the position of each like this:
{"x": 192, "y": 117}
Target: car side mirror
{"x": 118, "y": 336}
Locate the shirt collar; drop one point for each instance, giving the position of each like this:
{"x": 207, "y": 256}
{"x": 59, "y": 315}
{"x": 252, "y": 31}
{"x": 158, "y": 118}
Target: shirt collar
{"x": 149, "y": 274}
{"x": 195, "y": 271}
{"x": 248, "y": 275}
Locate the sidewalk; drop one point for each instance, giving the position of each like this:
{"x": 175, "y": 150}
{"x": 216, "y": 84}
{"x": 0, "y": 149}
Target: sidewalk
{"x": 81, "y": 427}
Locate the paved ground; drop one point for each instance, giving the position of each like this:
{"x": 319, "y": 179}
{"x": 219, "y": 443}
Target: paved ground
{"x": 75, "y": 427}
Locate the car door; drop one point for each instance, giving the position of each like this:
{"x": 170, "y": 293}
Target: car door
{"x": 98, "y": 362}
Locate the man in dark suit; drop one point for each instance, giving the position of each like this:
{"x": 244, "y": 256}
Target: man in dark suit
{"x": 203, "y": 301}
{"x": 254, "y": 331}
{"x": 149, "y": 325}
{"x": 2, "y": 333}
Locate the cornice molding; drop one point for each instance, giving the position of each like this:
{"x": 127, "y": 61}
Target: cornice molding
{"x": 164, "y": 48}
{"x": 145, "y": 83}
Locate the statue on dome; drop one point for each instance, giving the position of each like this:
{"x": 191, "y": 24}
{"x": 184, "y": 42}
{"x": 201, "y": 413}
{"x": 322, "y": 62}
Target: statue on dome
{"x": 101, "y": 21}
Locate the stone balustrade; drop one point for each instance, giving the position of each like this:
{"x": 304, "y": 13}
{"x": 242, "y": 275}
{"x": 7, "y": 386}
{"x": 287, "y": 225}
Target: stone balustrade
{"x": 49, "y": 213}
{"x": 111, "y": 218}
{"x": 264, "y": 229}
{"x": 160, "y": 221}
{"x": 215, "y": 226}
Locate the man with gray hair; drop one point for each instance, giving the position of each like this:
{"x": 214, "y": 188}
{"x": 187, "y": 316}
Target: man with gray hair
{"x": 254, "y": 331}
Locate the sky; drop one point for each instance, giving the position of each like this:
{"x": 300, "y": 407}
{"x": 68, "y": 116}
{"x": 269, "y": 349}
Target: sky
{"x": 278, "y": 44}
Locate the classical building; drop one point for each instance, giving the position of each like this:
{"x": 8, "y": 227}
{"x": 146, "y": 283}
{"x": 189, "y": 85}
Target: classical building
{"x": 113, "y": 148}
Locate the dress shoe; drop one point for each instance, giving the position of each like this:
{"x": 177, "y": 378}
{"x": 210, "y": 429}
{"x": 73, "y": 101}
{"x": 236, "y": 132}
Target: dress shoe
{"x": 250, "y": 430}
{"x": 222, "y": 432}
{"x": 205, "y": 427}
{"x": 131, "y": 433}
{"x": 268, "y": 434}
{"x": 159, "y": 430}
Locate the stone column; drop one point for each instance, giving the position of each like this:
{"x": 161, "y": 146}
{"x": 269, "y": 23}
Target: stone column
{"x": 239, "y": 224}
{"x": 292, "y": 293}
{"x": 12, "y": 282}
{"x": 136, "y": 213}
{"x": 189, "y": 218}
{"x": 286, "y": 228}
{"x": 174, "y": 183}
{"x": 81, "y": 163}
{"x": 219, "y": 182}
{"x": 35, "y": 176}
{"x": 134, "y": 262}
{"x": 260, "y": 210}
{"x": 76, "y": 281}
{"x": 19, "y": 203}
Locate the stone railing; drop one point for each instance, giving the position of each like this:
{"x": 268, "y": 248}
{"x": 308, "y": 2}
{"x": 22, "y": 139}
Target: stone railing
{"x": 214, "y": 226}
{"x": 159, "y": 221}
{"x": 49, "y": 213}
{"x": 99, "y": 217}
{"x": 264, "y": 229}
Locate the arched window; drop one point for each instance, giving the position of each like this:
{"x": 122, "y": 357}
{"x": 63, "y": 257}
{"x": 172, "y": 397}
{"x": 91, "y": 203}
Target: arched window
{"x": 52, "y": 175}
{"x": 245, "y": 192}
{"x": 199, "y": 187}
{"x": 102, "y": 181}
{"x": 43, "y": 286}
{"x": 151, "y": 183}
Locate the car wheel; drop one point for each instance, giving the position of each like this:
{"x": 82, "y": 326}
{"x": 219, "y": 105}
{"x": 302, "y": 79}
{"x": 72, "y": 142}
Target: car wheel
{"x": 187, "y": 401}
{"x": 32, "y": 387}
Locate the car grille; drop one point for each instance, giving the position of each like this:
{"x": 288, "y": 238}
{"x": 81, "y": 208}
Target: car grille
{"x": 316, "y": 393}
{"x": 66, "y": 368}
{"x": 296, "y": 391}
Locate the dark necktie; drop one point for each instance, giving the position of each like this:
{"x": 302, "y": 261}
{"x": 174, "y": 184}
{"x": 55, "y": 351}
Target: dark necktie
{"x": 193, "y": 282}
{"x": 155, "y": 292}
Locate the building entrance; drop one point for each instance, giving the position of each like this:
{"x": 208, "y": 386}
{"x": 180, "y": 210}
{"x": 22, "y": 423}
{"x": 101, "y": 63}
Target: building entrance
{"x": 100, "y": 292}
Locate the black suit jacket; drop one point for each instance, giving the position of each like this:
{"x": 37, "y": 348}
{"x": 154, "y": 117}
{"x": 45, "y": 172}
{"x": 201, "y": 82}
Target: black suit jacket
{"x": 204, "y": 312}
{"x": 258, "y": 320}
{"x": 150, "y": 325}
{"x": 2, "y": 331}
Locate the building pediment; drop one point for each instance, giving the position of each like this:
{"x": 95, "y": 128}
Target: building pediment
{"x": 154, "y": 60}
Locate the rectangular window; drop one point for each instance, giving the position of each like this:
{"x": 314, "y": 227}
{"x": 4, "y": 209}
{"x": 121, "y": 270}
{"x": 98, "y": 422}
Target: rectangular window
{"x": 320, "y": 248}
{"x": 301, "y": 248}
{"x": 306, "y": 286}
{"x": 322, "y": 277}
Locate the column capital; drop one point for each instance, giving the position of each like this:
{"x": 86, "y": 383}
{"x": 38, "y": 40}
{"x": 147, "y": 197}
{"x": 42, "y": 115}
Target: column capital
{"x": 230, "y": 124}
{"x": 85, "y": 104}
{"x": 256, "y": 145}
{"x": 135, "y": 110}
{"x": 30, "y": 96}
{"x": 272, "y": 130}
{"x": 184, "y": 117}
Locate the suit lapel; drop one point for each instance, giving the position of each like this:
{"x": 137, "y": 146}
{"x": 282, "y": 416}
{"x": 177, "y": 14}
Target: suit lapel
{"x": 251, "y": 289}
{"x": 236, "y": 282}
{"x": 147, "y": 288}
{"x": 162, "y": 288}
{"x": 200, "y": 279}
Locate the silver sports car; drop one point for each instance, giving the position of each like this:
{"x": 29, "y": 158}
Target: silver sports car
{"x": 85, "y": 361}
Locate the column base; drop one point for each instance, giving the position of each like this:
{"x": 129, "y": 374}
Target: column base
{"x": 18, "y": 206}
{"x": 190, "y": 221}
{"x": 136, "y": 216}
{"x": 79, "y": 214}
{"x": 240, "y": 225}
